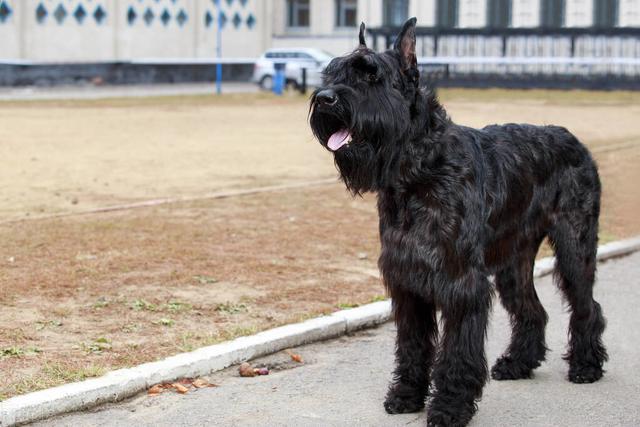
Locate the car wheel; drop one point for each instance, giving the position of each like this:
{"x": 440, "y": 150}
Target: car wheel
{"x": 266, "y": 83}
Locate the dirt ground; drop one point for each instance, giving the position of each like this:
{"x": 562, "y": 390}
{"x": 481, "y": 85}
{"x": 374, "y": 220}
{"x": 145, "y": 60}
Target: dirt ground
{"x": 83, "y": 294}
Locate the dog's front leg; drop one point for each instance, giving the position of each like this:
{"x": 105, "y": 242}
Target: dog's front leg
{"x": 417, "y": 330}
{"x": 460, "y": 371}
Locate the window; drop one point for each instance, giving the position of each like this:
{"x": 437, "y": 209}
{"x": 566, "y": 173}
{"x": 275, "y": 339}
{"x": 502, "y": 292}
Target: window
{"x": 346, "y": 13}
{"x": 447, "y": 13}
{"x": 605, "y": 13}
{"x": 396, "y": 12}
{"x": 298, "y": 13}
{"x": 499, "y": 14}
{"x": 552, "y": 13}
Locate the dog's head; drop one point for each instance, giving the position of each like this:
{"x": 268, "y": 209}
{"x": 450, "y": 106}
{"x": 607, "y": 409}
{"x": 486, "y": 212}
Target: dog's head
{"x": 365, "y": 106}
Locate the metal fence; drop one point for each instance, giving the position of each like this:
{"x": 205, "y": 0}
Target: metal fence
{"x": 577, "y": 57}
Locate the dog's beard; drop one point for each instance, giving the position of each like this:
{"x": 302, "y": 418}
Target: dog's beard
{"x": 358, "y": 166}
{"x": 354, "y": 157}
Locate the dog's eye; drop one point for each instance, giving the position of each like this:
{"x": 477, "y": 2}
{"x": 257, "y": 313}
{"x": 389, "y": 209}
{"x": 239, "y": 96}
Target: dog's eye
{"x": 372, "y": 78}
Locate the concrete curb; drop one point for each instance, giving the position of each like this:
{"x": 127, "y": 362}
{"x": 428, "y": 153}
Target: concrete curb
{"x": 120, "y": 384}
{"x": 123, "y": 383}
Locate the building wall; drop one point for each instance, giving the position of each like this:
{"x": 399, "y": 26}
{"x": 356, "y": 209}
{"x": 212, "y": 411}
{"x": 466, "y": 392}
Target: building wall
{"x": 79, "y": 33}
{"x": 629, "y": 13}
{"x": 10, "y": 31}
{"x": 525, "y": 13}
{"x": 472, "y": 13}
{"x": 323, "y": 32}
{"x": 74, "y": 30}
{"x": 425, "y": 11}
{"x": 579, "y": 13}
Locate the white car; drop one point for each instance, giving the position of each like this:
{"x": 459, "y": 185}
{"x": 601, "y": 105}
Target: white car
{"x": 314, "y": 60}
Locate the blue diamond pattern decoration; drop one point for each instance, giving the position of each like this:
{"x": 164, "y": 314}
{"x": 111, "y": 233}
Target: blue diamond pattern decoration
{"x": 251, "y": 21}
{"x": 165, "y": 17}
{"x": 99, "y": 15}
{"x": 181, "y": 17}
{"x": 237, "y": 21}
{"x": 131, "y": 15}
{"x": 41, "y": 13}
{"x": 148, "y": 16}
{"x": 80, "y": 14}
{"x": 5, "y": 12}
{"x": 60, "y": 14}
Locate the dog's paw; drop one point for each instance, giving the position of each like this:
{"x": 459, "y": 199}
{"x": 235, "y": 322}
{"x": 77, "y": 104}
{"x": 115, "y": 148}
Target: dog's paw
{"x": 584, "y": 374}
{"x": 403, "y": 405}
{"x": 439, "y": 418}
{"x": 506, "y": 368}
{"x": 402, "y": 400}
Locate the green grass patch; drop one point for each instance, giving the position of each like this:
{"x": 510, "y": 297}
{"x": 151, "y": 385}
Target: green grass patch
{"x": 43, "y": 324}
{"x": 178, "y": 306}
{"x": 143, "y": 305}
{"x": 15, "y": 351}
{"x": 346, "y": 305}
{"x": 165, "y": 321}
{"x": 98, "y": 346}
{"x": 232, "y": 308}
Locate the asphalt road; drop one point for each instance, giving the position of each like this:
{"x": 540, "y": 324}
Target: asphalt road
{"x": 343, "y": 381}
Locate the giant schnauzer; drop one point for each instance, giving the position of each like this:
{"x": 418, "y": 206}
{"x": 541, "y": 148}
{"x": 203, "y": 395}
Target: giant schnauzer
{"x": 456, "y": 205}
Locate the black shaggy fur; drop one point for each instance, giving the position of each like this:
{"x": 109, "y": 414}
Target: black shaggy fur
{"x": 456, "y": 205}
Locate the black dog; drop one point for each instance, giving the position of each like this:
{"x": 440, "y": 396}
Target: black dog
{"x": 456, "y": 205}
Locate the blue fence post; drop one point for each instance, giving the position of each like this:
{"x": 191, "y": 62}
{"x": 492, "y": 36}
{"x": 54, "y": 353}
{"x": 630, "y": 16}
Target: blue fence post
{"x": 279, "y": 80}
{"x": 219, "y": 48}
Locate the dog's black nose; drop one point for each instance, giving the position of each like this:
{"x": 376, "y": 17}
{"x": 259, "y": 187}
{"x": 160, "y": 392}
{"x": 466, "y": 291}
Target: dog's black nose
{"x": 327, "y": 97}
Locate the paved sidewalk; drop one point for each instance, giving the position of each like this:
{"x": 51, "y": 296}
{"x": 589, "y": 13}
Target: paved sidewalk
{"x": 343, "y": 382}
{"x": 119, "y": 91}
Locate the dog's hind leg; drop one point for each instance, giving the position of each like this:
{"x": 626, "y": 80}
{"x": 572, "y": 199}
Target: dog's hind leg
{"x": 528, "y": 318}
{"x": 575, "y": 241}
{"x": 415, "y": 345}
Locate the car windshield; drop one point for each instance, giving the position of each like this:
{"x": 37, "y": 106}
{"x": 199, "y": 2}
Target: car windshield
{"x": 316, "y": 54}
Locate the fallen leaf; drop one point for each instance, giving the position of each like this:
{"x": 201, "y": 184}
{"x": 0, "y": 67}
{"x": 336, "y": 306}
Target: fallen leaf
{"x": 261, "y": 371}
{"x": 246, "y": 370}
{"x": 156, "y": 390}
{"x": 180, "y": 388}
{"x": 295, "y": 357}
{"x": 200, "y": 383}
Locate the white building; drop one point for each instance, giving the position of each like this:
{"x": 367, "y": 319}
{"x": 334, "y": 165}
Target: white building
{"x": 113, "y": 30}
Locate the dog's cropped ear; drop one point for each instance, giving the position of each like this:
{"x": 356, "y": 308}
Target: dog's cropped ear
{"x": 363, "y": 42}
{"x": 406, "y": 45}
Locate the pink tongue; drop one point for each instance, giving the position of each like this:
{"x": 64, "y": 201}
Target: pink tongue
{"x": 338, "y": 139}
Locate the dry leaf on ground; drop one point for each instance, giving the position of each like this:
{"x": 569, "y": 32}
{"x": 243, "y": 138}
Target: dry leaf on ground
{"x": 180, "y": 388}
{"x": 261, "y": 371}
{"x": 295, "y": 357}
{"x": 156, "y": 390}
{"x": 202, "y": 383}
{"x": 246, "y": 370}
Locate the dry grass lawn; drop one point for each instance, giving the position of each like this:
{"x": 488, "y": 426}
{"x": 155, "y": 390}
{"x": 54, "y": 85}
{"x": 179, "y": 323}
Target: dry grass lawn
{"x": 83, "y": 294}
